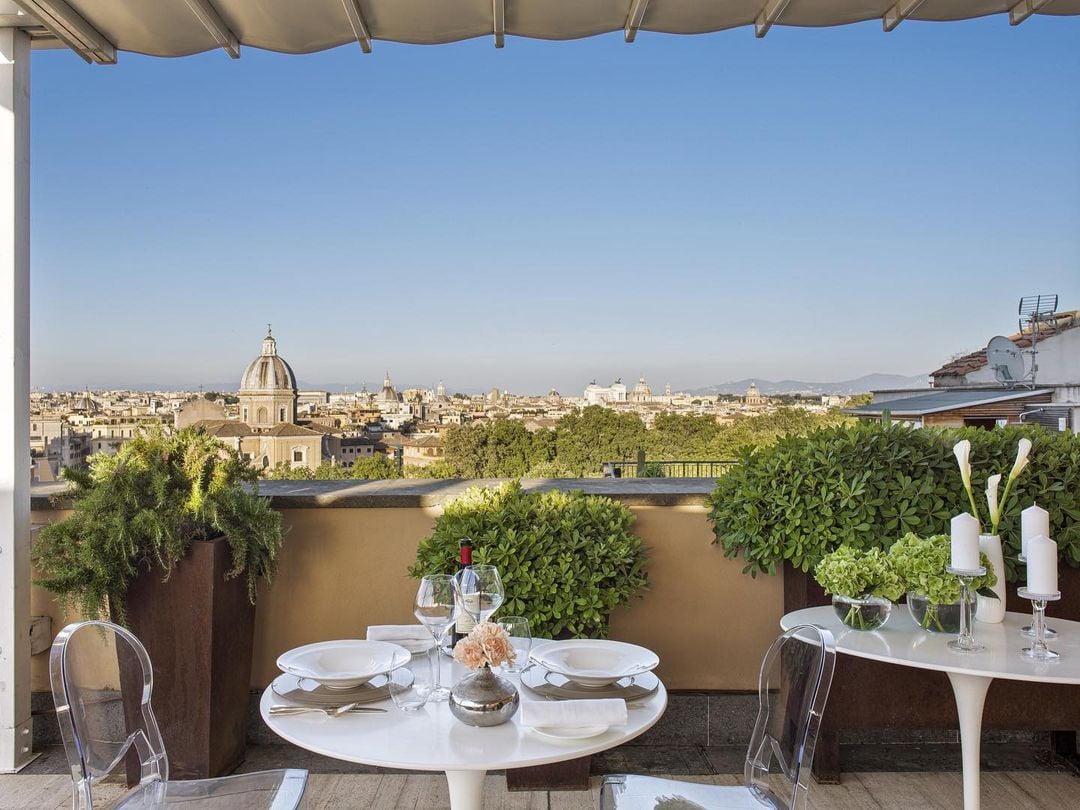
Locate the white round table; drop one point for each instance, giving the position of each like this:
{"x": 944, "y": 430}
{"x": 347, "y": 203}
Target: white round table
{"x": 432, "y": 739}
{"x": 902, "y": 641}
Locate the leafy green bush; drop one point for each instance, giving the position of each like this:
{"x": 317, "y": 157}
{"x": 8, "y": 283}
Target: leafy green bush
{"x": 143, "y": 508}
{"x": 867, "y": 485}
{"x": 567, "y": 559}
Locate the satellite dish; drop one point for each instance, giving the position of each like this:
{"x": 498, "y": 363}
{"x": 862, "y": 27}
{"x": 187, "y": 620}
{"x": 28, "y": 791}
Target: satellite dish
{"x": 1006, "y": 359}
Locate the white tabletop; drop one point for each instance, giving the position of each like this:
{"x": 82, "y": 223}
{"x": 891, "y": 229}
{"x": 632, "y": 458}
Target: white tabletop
{"x": 432, "y": 739}
{"x": 902, "y": 641}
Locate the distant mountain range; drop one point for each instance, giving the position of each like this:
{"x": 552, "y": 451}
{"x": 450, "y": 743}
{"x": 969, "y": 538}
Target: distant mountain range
{"x": 860, "y": 385}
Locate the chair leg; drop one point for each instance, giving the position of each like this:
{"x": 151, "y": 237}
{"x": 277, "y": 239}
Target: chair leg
{"x": 826, "y": 767}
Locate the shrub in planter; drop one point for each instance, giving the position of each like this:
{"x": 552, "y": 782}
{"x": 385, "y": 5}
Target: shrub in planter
{"x": 867, "y": 485}
{"x": 567, "y": 559}
{"x": 141, "y": 509}
{"x": 170, "y": 537}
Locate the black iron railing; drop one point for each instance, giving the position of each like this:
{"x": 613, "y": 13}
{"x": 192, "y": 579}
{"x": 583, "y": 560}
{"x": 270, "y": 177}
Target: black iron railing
{"x": 645, "y": 468}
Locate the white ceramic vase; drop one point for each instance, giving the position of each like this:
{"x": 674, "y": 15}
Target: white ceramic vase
{"x": 992, "y": 611}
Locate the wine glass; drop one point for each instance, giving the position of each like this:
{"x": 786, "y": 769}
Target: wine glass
{"x": 481, "y": 590}
{"x": 437, "y": 606}
{"x": 517, "y": 627}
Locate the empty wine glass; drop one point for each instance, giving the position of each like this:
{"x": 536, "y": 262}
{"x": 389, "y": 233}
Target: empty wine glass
{"x": 481, "y": 590}
{"x": 517, "y": 627}
{"x": 436, "y": 607}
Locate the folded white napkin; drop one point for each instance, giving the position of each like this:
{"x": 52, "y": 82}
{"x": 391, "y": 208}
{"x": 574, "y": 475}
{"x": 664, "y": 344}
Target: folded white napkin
{"x": 573, "y": 713}
{"x": 398, "y": 632}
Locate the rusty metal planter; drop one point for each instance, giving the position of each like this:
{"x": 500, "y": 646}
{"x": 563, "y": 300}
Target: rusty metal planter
{"x": 874, "y": 695}
{"x": 199, "y": 630}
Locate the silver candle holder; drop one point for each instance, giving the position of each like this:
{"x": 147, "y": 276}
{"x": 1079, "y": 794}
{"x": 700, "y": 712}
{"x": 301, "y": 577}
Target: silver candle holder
{"x": 1038, "y": 651}
{"x": 966, "y": 642}
{"x": 1029, "y": 629}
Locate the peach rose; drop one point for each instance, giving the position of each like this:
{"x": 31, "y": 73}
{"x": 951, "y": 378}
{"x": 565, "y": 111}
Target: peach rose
{"x": 487, "y": 645}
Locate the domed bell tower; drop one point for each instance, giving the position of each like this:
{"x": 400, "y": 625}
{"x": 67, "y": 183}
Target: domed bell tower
{"x": 268, "y": 392}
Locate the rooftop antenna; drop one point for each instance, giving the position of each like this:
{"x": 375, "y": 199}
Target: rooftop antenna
{"x": 1037, "y": 313}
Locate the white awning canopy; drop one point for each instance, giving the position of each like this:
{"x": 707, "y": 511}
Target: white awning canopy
{"x": 97, "y": 29}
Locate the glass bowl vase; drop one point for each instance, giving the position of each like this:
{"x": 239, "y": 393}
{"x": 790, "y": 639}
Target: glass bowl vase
{"x": 862, "y": 612}
{"x": 938, "y": 618}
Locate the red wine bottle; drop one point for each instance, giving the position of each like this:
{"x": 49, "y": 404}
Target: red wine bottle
{"x": 464, "y": 621}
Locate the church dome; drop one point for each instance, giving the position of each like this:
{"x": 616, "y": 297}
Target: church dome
{"x": 268, "y": 371}
{"x": 86, "y": 404}
{"x": 387, "y": 393}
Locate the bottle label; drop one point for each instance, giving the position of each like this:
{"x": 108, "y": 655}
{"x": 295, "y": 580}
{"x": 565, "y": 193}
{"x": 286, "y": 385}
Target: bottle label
{"x": 470, "y": 603}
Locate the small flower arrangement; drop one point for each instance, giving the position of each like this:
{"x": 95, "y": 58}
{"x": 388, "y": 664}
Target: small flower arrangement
{"x": 863, "y": 585}
{"x": 854, "y": 574}
{"x": 487, "y": 645}
{"x": 921, "y": 564}
{"x": 995, "y": 507}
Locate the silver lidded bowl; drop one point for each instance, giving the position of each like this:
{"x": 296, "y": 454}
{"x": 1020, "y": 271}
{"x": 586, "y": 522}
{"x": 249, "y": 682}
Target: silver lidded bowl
{"x": 483, "y": 698}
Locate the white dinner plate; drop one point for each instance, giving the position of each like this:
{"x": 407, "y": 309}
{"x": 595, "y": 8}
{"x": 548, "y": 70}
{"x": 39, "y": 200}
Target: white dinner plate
{"x": 343, "y": 664}
{"x": 570, "y": 732}
{"x": 594, "y": 662}
{"x": 309, "y": 693}
{"x": 551, "y": 684}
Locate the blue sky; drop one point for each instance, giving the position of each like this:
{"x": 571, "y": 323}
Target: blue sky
{"x": 819, "y": 204}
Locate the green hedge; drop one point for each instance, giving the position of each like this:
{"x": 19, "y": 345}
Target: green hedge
{"x": 867, "y": 485}
{"x": 567, "y": 559}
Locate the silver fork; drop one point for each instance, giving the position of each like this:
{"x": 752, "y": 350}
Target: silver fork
{"x": 329, "y": 711}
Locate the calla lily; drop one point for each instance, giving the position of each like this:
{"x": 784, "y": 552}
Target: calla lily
{"x": 1023, "y": 450}
{"x": 992, "y": 484}
{"x": 962, "y": 451}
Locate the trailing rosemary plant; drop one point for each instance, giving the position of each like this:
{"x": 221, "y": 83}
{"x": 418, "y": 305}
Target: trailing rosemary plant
{"x": 141, "y": 509}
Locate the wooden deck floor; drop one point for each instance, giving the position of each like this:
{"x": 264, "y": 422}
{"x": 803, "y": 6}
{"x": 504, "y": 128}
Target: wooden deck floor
{"x": 863, "y": 791}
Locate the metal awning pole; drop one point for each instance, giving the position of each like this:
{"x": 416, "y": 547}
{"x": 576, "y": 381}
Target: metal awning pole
{"x": 16, "y": 737}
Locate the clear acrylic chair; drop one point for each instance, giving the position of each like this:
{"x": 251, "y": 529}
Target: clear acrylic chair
{"x": 102, "y": 684}
{"x": 792, "y": 690}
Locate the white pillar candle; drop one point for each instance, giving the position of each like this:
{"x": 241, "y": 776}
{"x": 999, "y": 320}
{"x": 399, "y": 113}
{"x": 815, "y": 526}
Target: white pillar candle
{"x": 1042, "y": 562}
{"x": 1033, "y": 521}
{"x": 965, "y": 542}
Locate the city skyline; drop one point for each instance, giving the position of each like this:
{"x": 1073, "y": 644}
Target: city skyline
{"x": 698, "y": 209}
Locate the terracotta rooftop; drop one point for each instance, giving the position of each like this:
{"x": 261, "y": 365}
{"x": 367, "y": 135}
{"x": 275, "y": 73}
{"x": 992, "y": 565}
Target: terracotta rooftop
{"x": 968, "y": 363}
{"x": 223, "y": 428}
{"x": 287, "y": 429}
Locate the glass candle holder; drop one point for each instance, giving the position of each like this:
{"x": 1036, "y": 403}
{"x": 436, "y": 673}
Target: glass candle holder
{"x": 965, "y": 642}
{"x": 1038, "y": 651}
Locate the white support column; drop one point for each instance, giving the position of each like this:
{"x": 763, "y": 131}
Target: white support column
{"x": 16, "y": 743}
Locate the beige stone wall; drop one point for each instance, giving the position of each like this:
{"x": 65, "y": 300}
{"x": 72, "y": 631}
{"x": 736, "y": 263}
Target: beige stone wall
{"x": 342, "y": 569}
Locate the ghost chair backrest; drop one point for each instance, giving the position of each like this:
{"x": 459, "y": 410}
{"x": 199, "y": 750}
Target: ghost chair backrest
{"x": 793, "y": 688}
{"x": 102, "y": 683}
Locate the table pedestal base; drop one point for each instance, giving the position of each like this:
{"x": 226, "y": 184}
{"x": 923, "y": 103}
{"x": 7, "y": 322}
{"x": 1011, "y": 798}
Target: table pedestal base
{"x": 466, "y": 789}
{"x": 970, "y": 694}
